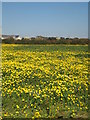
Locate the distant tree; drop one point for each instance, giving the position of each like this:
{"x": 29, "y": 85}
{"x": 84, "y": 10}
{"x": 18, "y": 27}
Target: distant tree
{"x": 67, "y": 38}
{"x": 9, "y": 40}
{"x": 62, "y": 38}
{"x": 76, "y": 38}
{"x": 33, "y": 38}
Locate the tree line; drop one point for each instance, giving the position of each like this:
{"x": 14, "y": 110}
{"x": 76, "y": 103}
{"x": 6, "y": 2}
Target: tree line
{"x": 52, "y": 40}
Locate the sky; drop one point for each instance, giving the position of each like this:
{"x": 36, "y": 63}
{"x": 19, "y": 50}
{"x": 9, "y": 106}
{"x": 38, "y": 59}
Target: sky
{"x": 45, "y": 0}
{"x": 45, "y": 18}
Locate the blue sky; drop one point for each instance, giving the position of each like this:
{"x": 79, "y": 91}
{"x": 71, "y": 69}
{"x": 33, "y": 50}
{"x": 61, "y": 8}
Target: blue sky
{"x": 46, "y": 19}
{"x": 45, "y": 0}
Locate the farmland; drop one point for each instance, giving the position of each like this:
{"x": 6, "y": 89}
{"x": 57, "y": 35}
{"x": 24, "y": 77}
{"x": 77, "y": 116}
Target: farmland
{"x": 44, "y": 81}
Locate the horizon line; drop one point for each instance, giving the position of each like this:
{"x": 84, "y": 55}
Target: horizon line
{"x": 41, "y": 36}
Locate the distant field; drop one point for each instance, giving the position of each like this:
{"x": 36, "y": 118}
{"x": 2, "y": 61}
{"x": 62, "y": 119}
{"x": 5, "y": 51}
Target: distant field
{"x": 47, "y": 81}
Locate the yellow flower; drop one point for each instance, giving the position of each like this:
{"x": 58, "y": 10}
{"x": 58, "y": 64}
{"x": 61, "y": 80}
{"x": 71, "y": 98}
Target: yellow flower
{"x": 37, "y": 114}
{"x": 86, "y": 107}
{"x": 17, "y": 112}
{"x": 17, "y": 106}
{"x": 31, "y": 105}
{"x": 23, "y": 100}
{"x": 35, "y": 106}
{"x": 6, "y": 114}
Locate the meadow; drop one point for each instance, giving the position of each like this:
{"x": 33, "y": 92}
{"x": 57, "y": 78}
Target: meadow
{"x": 44, "y": 81}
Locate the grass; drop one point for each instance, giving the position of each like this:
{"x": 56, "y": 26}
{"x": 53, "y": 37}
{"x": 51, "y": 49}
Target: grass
{"x": 45, "y": 81}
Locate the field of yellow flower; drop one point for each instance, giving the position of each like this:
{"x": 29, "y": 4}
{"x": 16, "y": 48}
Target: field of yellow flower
{"x": 44, "y": 81}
